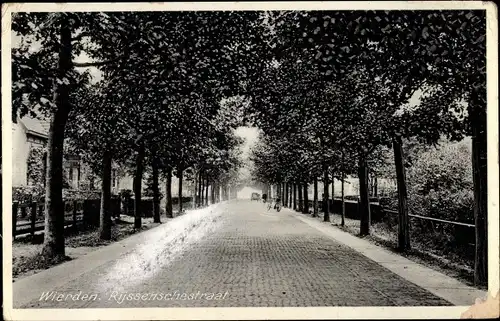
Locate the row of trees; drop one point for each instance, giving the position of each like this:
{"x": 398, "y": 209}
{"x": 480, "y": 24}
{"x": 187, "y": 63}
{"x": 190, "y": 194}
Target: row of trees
{"x": 161, "y": 104}
{"x": 328, "y": 89}
{"x": 337, "y": 92}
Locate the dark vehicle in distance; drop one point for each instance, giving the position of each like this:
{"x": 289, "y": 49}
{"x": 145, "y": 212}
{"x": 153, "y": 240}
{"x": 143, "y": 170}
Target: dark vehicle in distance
{"x": 255, "y": 197}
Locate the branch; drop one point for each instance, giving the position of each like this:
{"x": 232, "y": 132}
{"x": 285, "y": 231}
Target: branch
{"x": 80, "y": 36}
{"x": 93, "y": 64}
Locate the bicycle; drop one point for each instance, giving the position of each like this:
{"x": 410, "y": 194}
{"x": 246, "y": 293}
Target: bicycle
{"x": 277, "y": 205}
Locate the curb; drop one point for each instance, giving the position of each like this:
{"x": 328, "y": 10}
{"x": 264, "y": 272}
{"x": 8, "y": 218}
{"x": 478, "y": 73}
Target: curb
{"x": 433, "y": 281}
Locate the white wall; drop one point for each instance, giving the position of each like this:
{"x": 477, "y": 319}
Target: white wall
{"x": 20, "y": 152}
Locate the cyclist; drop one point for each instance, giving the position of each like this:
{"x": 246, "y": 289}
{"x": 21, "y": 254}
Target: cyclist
{"x": 277, "y": 203}
{"x": 264, "y": 198}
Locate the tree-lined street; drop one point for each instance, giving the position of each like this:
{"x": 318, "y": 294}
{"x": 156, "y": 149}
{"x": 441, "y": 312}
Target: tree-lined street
{"x": 258, "y": 257}
{"x": 333, "y": 95}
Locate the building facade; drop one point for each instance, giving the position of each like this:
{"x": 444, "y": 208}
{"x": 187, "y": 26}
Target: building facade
{"x": 30, "y": 136}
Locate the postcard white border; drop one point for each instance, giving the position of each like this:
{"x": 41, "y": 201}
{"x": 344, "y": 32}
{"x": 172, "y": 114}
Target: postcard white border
{"x": 252, "y": 313}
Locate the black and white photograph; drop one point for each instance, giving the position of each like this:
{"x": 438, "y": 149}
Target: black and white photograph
{"x": 250, "y": 155}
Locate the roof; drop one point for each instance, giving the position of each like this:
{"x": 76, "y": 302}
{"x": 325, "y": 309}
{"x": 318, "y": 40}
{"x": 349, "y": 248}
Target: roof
{"x": 36, "y": 126}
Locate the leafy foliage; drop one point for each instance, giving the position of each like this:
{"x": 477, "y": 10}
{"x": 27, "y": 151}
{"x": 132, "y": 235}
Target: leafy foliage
{"x": 327, "y": 88}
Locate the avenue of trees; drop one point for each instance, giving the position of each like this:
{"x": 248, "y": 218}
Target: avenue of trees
{"x": 161, "y": 106}
{"x": 329, "y": 90}
{"x": 335, "y": 97}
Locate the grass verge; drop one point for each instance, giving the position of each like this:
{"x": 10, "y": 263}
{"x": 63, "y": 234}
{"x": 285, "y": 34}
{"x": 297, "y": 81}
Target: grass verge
{"x": 26, "y": 258}
{"x": 441, "y": 261}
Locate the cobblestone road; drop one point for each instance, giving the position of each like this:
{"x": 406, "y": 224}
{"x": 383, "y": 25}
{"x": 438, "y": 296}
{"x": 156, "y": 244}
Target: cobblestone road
{"x": 239, "y": 255}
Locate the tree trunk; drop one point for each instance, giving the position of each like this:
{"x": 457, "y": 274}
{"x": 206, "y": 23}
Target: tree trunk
{"x": 290, "y": 195}
{"x": 168, "y": 194}
{"x": 326, "y": 204}
{"x": 480, "y": 181}
{"x": 206, "y": 190}
{"x": 333, "y": 185}
{"x": 105, "y": 213}
{"x": 294, "y": 197}
{"x": 53, "y": 243}
{"x": 212, "y": 192}
{"x": 300, "y": 189}
{"x": 203, "y": 189}
{"x": 200, "y": 189}
{"x": 289, "y": 198}
{"x": 287, "y": 193}
{"x": 156, "y": 193}
{"x": 195, "y": 191}
{"x": 403, "y": 219}
{"x": 180, "y": 172}
{"x": 315, "y": 195}
{"x": 342, "y": 223}
{"x": 364, "y": 205}
{"x": 139, "y": 170}
{"x": 284, "y": 197}
{"x": 305, "y": 208}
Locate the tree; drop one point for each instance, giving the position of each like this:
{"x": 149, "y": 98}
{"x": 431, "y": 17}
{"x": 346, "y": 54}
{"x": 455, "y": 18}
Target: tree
{"x": 32, "y": 87}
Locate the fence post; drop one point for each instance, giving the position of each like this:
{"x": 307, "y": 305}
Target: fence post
{"x": 75, "y": 207}
{"x": 23, "y": 211}
{"x": 15, "y": 205}
{"x": 33, "y": 219}
{"x": 85, "y": 217}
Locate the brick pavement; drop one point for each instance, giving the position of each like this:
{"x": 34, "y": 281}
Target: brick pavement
{"x": 253, "y": 258}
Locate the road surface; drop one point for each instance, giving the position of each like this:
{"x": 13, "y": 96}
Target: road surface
{"x": 237, "y": 254}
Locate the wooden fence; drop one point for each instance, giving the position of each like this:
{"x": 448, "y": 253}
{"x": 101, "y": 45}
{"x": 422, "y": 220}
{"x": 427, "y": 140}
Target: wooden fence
{"x": 29, "y": 218}
{"x": 462, "y": 233}
{"x": 378, "y": 212}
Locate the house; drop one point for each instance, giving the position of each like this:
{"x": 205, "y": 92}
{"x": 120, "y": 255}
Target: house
{"x": 27, "y": 134}
{"x": 30, "y": 136}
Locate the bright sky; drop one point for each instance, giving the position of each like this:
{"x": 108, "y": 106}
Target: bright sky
{"x": 35, "y": 46}
{"x": 250, "y": 134}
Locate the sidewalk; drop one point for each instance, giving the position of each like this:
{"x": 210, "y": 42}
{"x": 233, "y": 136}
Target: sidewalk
{"x": 435, "y": 282}
{"x": 54, "y": 277}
